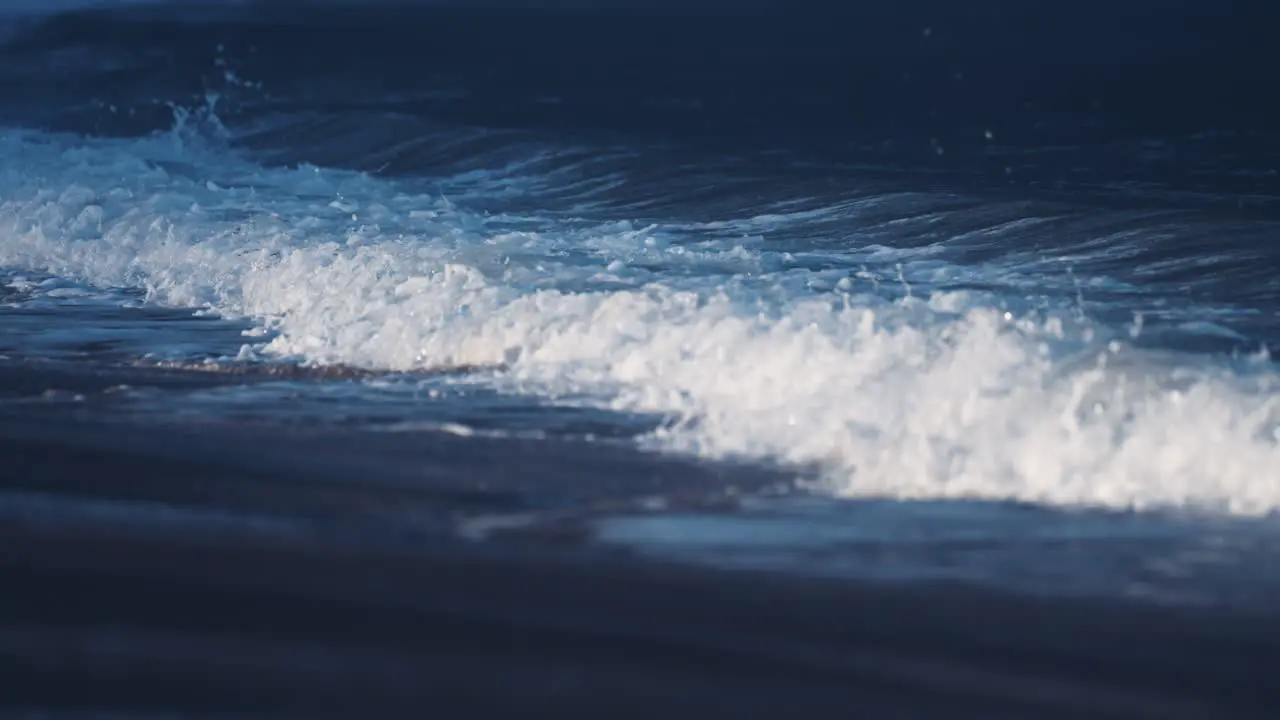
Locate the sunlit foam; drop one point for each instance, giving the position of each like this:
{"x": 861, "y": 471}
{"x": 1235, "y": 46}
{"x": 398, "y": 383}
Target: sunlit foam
{"x": 944, "y": 395}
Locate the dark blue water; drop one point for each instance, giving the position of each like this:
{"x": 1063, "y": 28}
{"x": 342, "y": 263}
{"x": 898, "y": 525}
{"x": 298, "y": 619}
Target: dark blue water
{"x": 991, "y": 285}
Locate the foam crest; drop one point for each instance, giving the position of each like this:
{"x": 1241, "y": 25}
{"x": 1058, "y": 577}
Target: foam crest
{"x": 945, "y": 396}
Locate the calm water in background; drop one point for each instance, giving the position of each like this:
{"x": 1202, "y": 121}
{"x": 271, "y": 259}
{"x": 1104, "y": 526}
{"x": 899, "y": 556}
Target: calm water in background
{"x": 988, "y": 291}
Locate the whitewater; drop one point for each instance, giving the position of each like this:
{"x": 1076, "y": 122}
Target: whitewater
{"x": 862, "y": 362}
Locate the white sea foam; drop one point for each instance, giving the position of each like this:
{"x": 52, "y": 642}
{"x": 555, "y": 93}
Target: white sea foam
{"x": 945, "y": 395}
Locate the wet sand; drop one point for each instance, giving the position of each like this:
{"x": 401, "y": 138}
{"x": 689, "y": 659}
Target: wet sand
{"x": 258, "y": 571}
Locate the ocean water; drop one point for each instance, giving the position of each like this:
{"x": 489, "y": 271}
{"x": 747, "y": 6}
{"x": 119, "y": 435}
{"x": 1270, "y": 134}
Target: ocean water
{"x": 979, "y": 320}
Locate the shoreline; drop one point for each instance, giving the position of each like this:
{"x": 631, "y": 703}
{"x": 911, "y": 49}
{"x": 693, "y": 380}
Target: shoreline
{"x": 345, "y": 613}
